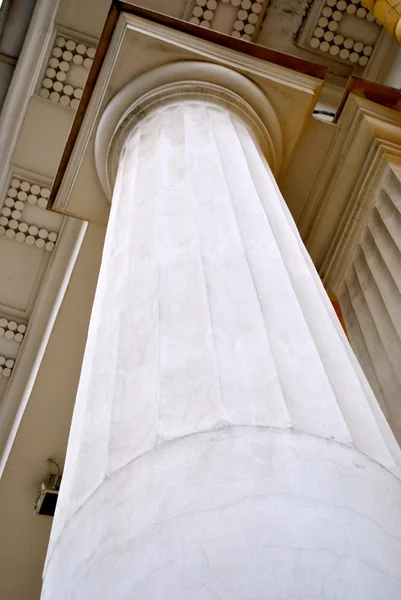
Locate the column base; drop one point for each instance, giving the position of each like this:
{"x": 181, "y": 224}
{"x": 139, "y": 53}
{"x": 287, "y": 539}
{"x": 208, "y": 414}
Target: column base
{"x": 242, "y": 513}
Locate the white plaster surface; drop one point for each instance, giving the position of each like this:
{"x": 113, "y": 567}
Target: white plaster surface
{"x": 236, "y": 514}
{"x": 225, "y": 443}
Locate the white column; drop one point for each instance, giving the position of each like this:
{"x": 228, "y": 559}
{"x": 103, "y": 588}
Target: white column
{"x": 225, "y": 443}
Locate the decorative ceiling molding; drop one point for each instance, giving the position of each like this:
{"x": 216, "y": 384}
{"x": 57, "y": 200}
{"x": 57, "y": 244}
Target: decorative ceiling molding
{"x": 6, "y": 366}
{"x": 14, "y": 223}
{"x": 12, "y": 333}
{"x": 70, "y": 59}
{"x": 12, "y": 330}
{"x": 342, "y": 30}
{"x": 240, "y": 18}
{"x": 23, "y": 219}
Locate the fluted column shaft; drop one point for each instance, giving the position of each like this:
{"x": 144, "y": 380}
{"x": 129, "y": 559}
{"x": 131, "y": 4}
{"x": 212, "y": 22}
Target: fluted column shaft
{"x": 224, "y": 435}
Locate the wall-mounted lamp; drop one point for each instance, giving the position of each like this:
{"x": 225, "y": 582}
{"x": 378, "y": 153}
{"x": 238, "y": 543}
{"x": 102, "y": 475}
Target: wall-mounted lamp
{"x": 46, "y": 500}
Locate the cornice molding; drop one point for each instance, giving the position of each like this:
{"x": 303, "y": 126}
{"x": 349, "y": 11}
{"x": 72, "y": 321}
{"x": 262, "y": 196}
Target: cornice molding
{"x": 243, "y": 21}
{"x": 342, "y": 31}
{"x": 172, "y": 83}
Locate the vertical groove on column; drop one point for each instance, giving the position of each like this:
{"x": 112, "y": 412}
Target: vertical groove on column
{"x": 251, "y": 387}
{"x": 230, "y": 148}
{"x": 193, "y": 176}
{"x": 191, "y": 389}
{"x": 135, "y": 393}
{"x": 351, "y": 393}
{"x": 99, "y": 369}
{"x": 289, "y": 335}
{"x": 88, "y": 442}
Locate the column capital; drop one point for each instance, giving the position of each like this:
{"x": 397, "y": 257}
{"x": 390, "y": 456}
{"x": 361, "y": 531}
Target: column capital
{"x": 195, "y": 81}
{"x": 137, "y": 50}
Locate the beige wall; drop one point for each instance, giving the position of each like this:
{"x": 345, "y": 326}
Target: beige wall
{"x": 44, "y": 431}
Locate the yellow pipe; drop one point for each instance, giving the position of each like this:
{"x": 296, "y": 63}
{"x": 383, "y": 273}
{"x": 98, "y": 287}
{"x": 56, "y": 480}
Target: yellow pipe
{"x": 388, "y": 13}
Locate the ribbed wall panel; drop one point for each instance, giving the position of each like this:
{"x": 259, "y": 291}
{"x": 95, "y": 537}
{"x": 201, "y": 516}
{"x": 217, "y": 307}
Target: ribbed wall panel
{"x": 371, "y": 300}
